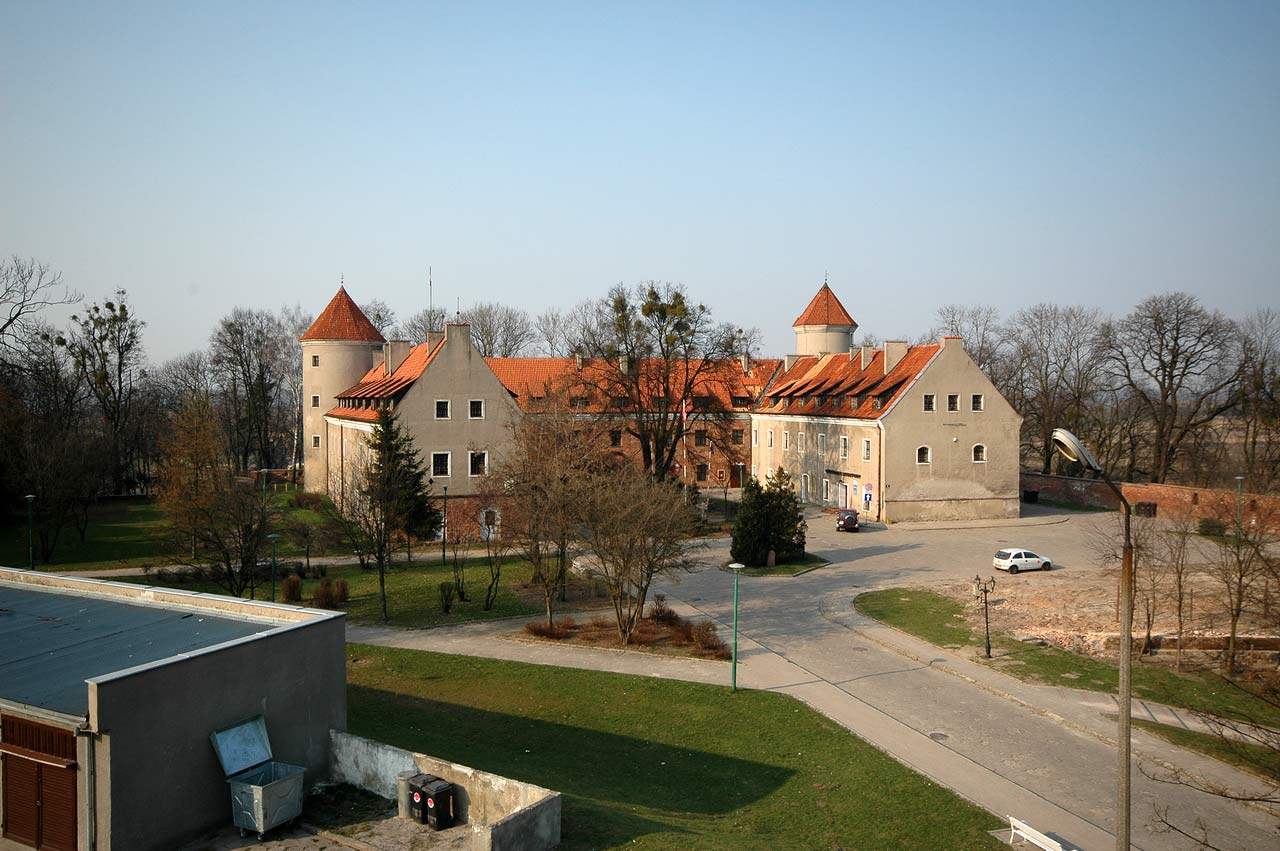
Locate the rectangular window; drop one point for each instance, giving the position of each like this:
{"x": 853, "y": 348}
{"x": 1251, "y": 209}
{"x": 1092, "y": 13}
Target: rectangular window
{"x": 315, "y": 401}
{"x": 770, "y": 438}
{"x": 439, "y": 465}
{"x": 315, "y": 360}
{"x": 615, "y": 438}
{"x": 866, "y": 449}
{"x": 826, "y": 490}
{"x": 786, "y": 441}
{"x": 800, "y": 442}
{"x": 700, "y": 437}
{"x": 315, "y": 441}
{"x": 477, "y": 409}
{"x": 702, "y": 472}
{"x": 953, "y": 401}
{"x": 844, "y": 447}
{"x": 822, "y": 443}
{"x": 928, "y": 402}
{"x": 976, "y": 402}
{"x": 755, "y": 437}
{"x": 442, "y": 409}
{"x": 479, "y": 463}
{"x": 737, "y": 437}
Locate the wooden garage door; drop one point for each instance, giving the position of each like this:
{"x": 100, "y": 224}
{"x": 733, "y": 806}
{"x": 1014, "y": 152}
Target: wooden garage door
{"x": 39, "y": 784}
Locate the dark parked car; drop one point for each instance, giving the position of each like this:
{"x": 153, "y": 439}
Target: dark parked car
{"x": 846, "y": 520}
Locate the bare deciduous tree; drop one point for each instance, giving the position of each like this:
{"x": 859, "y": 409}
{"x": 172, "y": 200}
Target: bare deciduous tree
{"x": 498, "y": 330}
{"x": 416, "y": 327}
{"x": 381, "y": 315}
{"x": 26, "y": 288}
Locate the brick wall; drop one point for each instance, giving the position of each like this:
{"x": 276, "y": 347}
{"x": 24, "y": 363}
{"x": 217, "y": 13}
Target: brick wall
{"x": 1170, "y": 500}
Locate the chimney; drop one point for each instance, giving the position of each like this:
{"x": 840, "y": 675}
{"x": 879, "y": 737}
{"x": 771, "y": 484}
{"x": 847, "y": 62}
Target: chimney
{"x": 433, "y": 339}
{"x": 894, "y": 351}
{"x": 867, "y": 353}
{"x": 745, "y": 360}
{"x": 789, "y": 361}
{"x": 958, "y": 342}
{"x": 624, "y": 364}
{"x": 577, "y": 359}
{"x": 393, "y": 354}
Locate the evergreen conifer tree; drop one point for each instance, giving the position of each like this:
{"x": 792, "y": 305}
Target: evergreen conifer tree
{"x": 751, "y": 527}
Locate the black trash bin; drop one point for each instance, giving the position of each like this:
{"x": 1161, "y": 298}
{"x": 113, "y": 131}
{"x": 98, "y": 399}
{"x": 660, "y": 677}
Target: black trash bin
{"x": 418, "y": 797}
{"x": 439, "y": 804}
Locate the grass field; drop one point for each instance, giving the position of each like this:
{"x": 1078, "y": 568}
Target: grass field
{"x": 940, "y": 620}
{"x": 1260, "y": 760}
{"x": 123, "y": 532}
{"x": 658, "y": 764}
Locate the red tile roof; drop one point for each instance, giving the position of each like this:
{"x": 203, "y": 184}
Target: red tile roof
{"x": 837, "y": 385}
{"x": 343, "y": 320}
{"x": 376, "y": 384}
{"x": 369, "y": 414}
{"x": 825, "y": 309}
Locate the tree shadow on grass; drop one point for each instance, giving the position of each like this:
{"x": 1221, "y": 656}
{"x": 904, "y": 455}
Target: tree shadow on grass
{"x": 605, "y": 777}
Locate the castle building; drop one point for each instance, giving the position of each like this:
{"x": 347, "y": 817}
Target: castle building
{"x": 900, "y": 432}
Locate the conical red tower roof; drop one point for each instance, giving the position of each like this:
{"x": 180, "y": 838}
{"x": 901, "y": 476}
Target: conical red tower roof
{"x": 343, "y": 320}
{"x": 825, "y": 309}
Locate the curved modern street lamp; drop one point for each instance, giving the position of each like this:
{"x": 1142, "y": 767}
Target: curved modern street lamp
{"x": 1070, "y": 447}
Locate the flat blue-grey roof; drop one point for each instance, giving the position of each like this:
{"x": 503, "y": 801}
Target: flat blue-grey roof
{"x": 51, "y": 641}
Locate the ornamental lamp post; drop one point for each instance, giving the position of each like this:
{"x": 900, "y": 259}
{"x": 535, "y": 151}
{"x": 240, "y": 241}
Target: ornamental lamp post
{"x": 982, "y": 589}
{"x": 1071, "y": 448}
{"x": 31, "y": 545}
{"x": 274, "y": 538}
{"x": 736, "y": 567}
{"x": 444, "y": 522}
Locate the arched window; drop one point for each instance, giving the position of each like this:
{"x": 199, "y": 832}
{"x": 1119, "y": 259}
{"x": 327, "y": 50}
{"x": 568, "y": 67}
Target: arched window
{"x": 979, "y": 453}
{"x": 923, "y": 456}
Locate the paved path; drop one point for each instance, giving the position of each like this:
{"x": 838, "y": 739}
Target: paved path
{"x": 1041, "y": 753}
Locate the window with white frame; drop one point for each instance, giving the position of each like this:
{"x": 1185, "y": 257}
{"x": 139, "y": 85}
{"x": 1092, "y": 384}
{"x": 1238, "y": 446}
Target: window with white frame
{"x": 315, "y": 360}
{"x": 929, "y": 403}
{"x": 439, "y": 465}
{"x": 442, "y": 409}
{"x": 826, "y": 490}
{"x": 822, "y": 443}
{"x": 979, "y": 453}
{"x": 315, "y": 401}
{"x": 479, "y": 463}
{"x": 786, "y": 441}
{"x": 975, "y": 402}
{"x": 476, "y": 411}
{"x": 953, "y": 402}
{"x": 755, "y": 437}
{"x": 844, "y": 446}
{"x": 866, "y": 449}
{"x": 315, "y": 441}
{"x": 923, "y": 455}
{"x": 800, "y": 443}
{"x": 770, "y": 438}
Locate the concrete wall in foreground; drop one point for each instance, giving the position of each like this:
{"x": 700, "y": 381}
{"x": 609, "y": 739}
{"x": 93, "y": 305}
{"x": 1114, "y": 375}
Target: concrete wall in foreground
{"x": 504, "y": 814}
{"x": 159, "y": 781}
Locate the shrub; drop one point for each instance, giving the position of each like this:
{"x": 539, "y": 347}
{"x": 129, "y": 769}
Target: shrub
{"x": 446, "y": 596}
{"x": 1211, "y": 527}
{"x": 342, "y": 591}
{"x": 307, "y": 501}
{"x": 291, "y": 589}
{"x": 660, "y": 612}
{"x": 299, "y": 570}
{"x": 706, "y": 639}
{"x": 540, "y": 629}
{"x": 601, "y": 622}
{"x": 681, "y": 631}
{"x": 325, "y": 597}
{"x": 569, "y": 623}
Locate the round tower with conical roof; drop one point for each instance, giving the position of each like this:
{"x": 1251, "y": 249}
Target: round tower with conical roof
{"x": 339, "y": 348}
{"x": 825, "y": 327}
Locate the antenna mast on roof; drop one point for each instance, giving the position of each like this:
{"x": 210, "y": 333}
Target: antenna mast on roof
{"x": 431, "y": 299}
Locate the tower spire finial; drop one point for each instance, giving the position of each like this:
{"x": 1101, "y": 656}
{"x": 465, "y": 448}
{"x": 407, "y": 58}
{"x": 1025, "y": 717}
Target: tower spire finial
{"x": 825, "y": 276}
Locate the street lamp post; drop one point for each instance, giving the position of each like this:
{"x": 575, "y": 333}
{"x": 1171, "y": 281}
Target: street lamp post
{"x": 274, "y": 538}
{"x": 1072, "y": 449}
{"x": 444, "y": 522}
{"x": 737, "y": 569}
{"x": 31, "y": 541}
{"x": 1239, "y": 497}
{"x": 982, "y": 589}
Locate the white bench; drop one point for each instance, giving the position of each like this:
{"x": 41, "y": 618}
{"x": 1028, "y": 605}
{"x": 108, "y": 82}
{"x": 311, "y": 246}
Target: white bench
{"x": 1035, "y": 837}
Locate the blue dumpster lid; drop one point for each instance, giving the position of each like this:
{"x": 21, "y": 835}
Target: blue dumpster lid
{"x": 242, "y": 745}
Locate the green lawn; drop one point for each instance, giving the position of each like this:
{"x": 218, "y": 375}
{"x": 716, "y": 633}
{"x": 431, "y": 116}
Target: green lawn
{"x": 123, "y": 532}
{"x": 1251, "y": 757}
{"x": 807, "y": 561}
{"x": 658, "y": 764}
{"x": 940, "y": 620}
{"x": 413, "y": 592}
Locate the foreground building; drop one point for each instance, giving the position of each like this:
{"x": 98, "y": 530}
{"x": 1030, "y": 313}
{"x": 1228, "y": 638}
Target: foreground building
{"x": 109, "y": 691}
{"x": 900, "y": 432}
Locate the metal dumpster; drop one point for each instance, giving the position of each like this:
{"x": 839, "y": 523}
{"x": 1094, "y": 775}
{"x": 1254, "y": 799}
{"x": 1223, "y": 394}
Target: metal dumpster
{"x": 264, "y": 794}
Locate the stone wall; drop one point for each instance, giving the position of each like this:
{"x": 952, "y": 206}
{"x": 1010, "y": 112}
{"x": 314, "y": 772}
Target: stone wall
{"x": 504, "y": 814}
{"x": 1170, "y": 500}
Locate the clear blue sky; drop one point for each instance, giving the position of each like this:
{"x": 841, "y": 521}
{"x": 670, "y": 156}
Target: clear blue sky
{"x": 205, "y": 156}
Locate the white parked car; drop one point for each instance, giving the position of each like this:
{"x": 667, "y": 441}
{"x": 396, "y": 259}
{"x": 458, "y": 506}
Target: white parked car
{"x": 1015, "y": 559}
